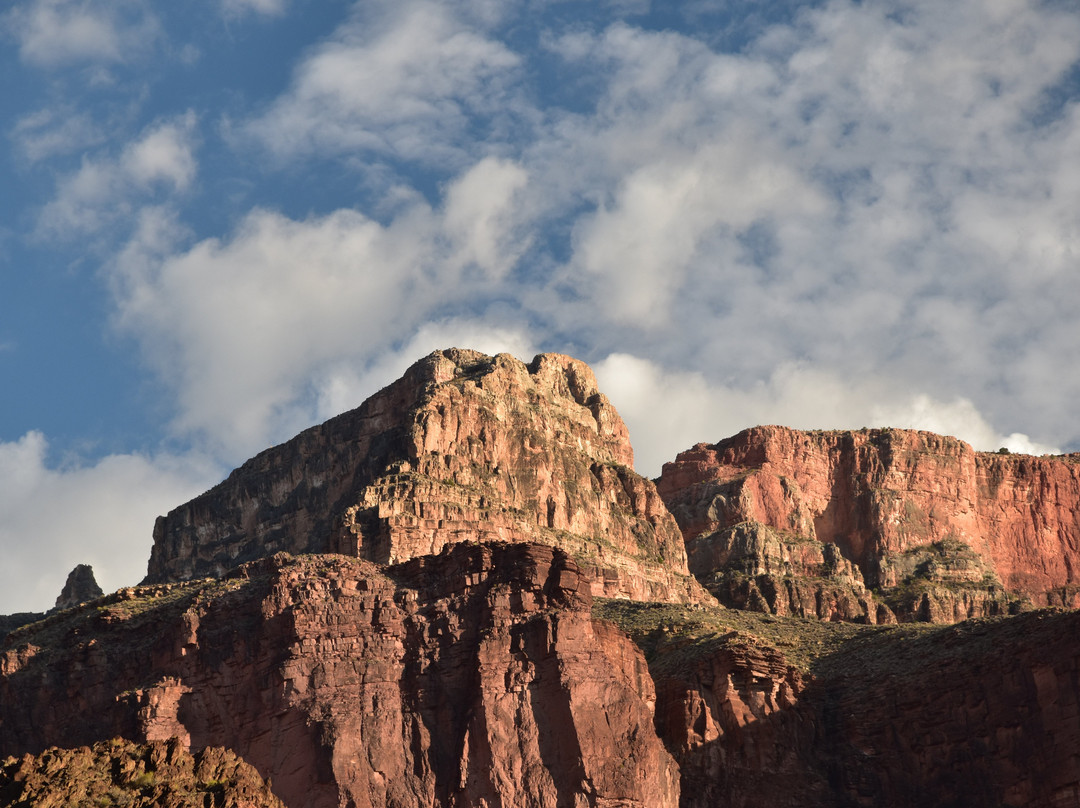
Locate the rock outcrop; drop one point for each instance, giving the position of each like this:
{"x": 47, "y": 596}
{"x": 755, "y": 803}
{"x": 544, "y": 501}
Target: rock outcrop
{"x": 160, "y": 774}
{"x": 944, "y": 532}
{"x": 798, "y": 713}
{"x": 463, "y": 448}
{"x": 80, "y": 587}
{"x": 439, "y": 599}
{"x": 757, "y": 567}
{"x": 476, "y": 676}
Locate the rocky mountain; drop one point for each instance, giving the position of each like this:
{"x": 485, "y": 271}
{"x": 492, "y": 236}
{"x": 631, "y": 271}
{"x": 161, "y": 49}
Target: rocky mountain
{"x": 808, "y": 522}
{"x": 463, "y": 448}
{"x": 461, "y": 595}
{"x": 80, "y": 587}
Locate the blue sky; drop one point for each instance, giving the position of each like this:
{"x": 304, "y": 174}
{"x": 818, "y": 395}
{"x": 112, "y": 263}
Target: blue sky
{"x": 226, "y": 220}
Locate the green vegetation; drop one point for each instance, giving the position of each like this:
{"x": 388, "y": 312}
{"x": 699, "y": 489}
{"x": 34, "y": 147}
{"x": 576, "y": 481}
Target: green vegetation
{"x": 673, "y": 636}
{"x": 129, "y": 607}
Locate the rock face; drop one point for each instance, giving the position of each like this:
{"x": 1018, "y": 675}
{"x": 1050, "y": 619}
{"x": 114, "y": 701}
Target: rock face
{"x": 945, "y": 532}
{"x": 127, "y": 775}
{"x": 757, "y": 567}
{"x": 733, "y": 720}
{"x": 984, "y": 713}
{"x": 460, "y": 595}
{"x": 473, "y": 677}
{"x": 80, "y": 587}
{"x": 463, "y": 448}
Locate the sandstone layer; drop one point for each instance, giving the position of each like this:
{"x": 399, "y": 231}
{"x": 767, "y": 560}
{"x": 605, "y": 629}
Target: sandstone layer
{"x": 473, "y": 677}
{"x": 944, "y": 532}
{"x": 463, "y": 448}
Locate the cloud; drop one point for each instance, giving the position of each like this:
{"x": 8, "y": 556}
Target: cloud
{"x": 398, "y": 80}
{"x": 104, "y": 189}
{"x": 266, "y": 8}
{"x": 867, "y": 190}
{"x": 668, "y": 411}
{"x": 100, "y": 514}
{"x": 346, "y": 387}
{"x": 54, "y": 131}
{"x": 844, "y": 194}
{"x": 55, "y": 33}
{"x": 241, "y": 327}
{"x": 481, "y": 217}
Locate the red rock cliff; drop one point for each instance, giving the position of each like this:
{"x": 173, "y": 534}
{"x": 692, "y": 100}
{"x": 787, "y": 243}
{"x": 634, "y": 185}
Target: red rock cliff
{"x": 464, "y": 447}
{"x": 473, "y": 677}
{"x": 886, "y": 498}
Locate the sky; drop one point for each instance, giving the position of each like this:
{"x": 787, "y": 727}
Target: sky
{"x": 223, "y": 221}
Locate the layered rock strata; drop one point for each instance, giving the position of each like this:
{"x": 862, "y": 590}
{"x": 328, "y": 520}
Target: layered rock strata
{"x": 943, "y": 531}
{"x": 473, "y": 677}
{"x": 757, "y": 567}
{"x": 463, "y": 448}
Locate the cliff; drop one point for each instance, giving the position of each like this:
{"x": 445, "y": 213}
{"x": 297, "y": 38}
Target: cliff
{"x": 464, "y": 447}
{"x": 941, "y": 531}
{"x": 460, "y": 595}
{"x": 474, "y": 675}
{"x": 803, "y": 713}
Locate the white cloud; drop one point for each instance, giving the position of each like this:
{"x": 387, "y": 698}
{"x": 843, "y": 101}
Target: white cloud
{"x": 865, "y": 191}
{"x": 164, "y": 154}
{"x": 53, "y": 33}
{"x": 668, "y": 411}
{"x": 266, "y": 8}
{"x": 397, "y": 79}
{"x": 105, "y": 189}
{"x": 55, "y": 131}
{"x": 100, "y": 514}
{"x": 345, "y": 387}
{"x": 958, "y": 418}
{"x": 481, "y": 217}
{"x": 244, "y": 328}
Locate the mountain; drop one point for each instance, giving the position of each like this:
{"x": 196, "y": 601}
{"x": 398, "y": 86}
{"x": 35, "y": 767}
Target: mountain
{"x": 463, "y": 448}
{"x": 814, "y": 523}
{"x": 460, "y": 594}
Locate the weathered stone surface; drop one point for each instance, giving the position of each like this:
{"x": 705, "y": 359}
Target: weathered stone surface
{"x": 464, "y": 447}
{"x": 986, "y": 712}
{"x": 80, "y": 587}
{"x": 475, "y": 676}
{"x": 756, "y": 567}
{"x": 127, "y": 775}
{"x": 982, "y": 713}
{"x": 885, "y": 496}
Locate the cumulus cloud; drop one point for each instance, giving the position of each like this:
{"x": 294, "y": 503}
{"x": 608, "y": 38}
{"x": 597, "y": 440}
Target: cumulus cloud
{"x": 100, "y": 514}
{"x": 240, "y": 327}
{"x": 871, "y": 189}
{"x": 105, "y": 189}
{"x": 347, "y": 386}
{"x": 397, "y": 80}
{"x": 860, "y": 194}
{"x": 54, "y": 33}
{"x": 668, "y": 411}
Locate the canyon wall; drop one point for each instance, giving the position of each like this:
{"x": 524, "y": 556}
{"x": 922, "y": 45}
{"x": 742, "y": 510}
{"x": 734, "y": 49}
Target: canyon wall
{"x": 947, "y": 532}
{"x": 473, "y": 677}
{"x": 463, "y": 448}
